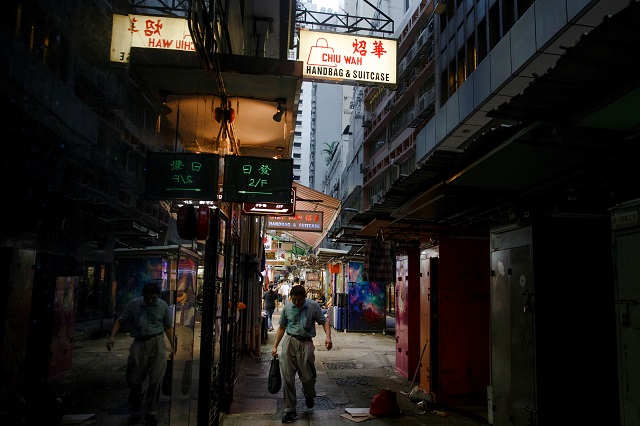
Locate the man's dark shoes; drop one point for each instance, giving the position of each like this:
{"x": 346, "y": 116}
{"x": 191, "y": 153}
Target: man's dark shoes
{"x": 150, "y": 420}
{"x": 289, "y": 417}
{"x": 309, "y": 401}
{"x": 135, "y": 398}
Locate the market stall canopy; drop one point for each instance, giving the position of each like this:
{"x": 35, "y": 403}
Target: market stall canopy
{"x": 325, "y": 255}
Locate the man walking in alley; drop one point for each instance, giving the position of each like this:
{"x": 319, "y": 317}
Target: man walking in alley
{"x": 269, "y": 298}
{"x": 284, "y": 291}
{"x": 146, "y": 318}
{"x": 298, "y": 321}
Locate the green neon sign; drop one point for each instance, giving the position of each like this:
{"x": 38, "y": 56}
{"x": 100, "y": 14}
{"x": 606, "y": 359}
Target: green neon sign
{"x": 181, "y": 176}
{"x": 257, "y": 179}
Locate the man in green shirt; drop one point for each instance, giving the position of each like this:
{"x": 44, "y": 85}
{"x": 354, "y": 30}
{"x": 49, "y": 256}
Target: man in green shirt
{"x": 146, "y": 318}
{"x": 298, "y": 327}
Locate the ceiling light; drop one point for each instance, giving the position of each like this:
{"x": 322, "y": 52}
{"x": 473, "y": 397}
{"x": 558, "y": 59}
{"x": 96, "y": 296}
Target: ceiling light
{"x": 280, "y": 110}
{"x": 280, "y": 150}
{"x": 164, "y": 108}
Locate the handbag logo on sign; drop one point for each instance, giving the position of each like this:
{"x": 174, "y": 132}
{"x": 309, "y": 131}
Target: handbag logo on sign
{"x": 323, "y": 55}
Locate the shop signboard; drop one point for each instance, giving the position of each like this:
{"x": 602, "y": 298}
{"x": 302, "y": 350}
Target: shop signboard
{"x": 257, "y": 180}
{"x": 347, "y": 58}
{"x": 148, "y": 32}
{"x": 181, "y": 176}
{"x": 302, "y": 220}
{"x": 281, "y": 209}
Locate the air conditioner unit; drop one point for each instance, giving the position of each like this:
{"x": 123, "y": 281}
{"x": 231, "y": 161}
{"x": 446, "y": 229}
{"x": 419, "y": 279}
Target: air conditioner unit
{"x": 377, "y": 198}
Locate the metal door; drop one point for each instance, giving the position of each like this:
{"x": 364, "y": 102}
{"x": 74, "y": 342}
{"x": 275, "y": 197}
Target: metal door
{"x": 428, "y": 321}
{"x": 402, "y": 316}
{"x": 512, "y": 338}
{"x": 626, "y": 246}
{"x": 63, "y": 326}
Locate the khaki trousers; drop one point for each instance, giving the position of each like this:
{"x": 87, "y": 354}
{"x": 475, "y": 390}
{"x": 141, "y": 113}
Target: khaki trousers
{"x": 147, "y": 360}
{"x": 297, "y": 356}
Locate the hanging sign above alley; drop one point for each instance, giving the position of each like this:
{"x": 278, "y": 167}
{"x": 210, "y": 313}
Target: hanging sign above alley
{"x": 181, "y": 176}
{"x": 348, "y": 58}
{"x": 301, "y": 220}
{"x": 149, "y": 32}
{"x": 284, "y": 209}
{"x": 257, "y": 179}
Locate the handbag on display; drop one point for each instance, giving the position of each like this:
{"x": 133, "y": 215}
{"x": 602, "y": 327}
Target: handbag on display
{"x": 275, "y": 380}
{"x": 379, "y": 259}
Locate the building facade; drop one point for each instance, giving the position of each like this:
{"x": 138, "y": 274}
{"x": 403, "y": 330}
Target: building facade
{"x": 503, "y": 167}
{"x": 487, "y": 165}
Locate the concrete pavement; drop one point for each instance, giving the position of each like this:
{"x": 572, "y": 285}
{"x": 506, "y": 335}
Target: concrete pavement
{"x": 359, "y": 365}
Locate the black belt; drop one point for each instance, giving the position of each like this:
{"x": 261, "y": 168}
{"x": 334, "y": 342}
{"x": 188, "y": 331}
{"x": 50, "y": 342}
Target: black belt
{"x": 302, "y": 339}
{"x": 145, "y": 338}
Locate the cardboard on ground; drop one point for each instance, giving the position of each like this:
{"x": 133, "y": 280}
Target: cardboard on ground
{"x": 357, "y": 415}
{"x": 358, "y": 412}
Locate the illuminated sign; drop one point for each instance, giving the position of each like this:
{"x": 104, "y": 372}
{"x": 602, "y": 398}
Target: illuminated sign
{"x": 271, "y": 208}
{"x": 348, "y": 58}
{"x": 257, "y": 179}
{"x": 149, "y": 32}
{"x": 302, "y": 220}
{"x": 181, "y": 176}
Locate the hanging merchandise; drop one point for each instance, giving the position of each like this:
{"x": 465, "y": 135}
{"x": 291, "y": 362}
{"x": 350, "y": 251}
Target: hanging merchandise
{"x": 379, "y": 259}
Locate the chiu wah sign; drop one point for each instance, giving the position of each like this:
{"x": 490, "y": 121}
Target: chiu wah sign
{"x": 301, "y": 221}
{"x": 348, "y": 59}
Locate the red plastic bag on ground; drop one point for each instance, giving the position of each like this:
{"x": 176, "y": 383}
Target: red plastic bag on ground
{"x": 385, "y": 404}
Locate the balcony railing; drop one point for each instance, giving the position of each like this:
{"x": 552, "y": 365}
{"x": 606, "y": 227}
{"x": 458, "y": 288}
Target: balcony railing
{"x": 425, "y": 36}
{"x": 423, "y": 108}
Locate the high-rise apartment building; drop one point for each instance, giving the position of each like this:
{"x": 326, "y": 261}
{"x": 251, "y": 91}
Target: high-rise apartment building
{"x": 321, "y": 116}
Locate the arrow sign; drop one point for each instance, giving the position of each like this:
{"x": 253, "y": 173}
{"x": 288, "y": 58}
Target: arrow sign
{"x": 271, "y": 208}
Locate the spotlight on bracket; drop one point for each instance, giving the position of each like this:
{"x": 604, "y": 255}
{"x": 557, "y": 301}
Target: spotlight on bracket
{"x": 164, "y": 108}
{"x": 280, "y": 151}
{"x": 281, "y": 109}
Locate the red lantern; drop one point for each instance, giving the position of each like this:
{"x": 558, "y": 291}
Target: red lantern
{"x": 186, "y": 222}
{"x": 228, "y": 115}
{"x": 203, "y": 222}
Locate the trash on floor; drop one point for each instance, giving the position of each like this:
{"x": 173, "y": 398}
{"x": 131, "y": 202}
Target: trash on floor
{"x": 79, "y": 419}
{"x": 358, "y": 412}
{"x": 357, "y": 415}
{"x": 440, "y": 413}
{"x": 418, "y": 394}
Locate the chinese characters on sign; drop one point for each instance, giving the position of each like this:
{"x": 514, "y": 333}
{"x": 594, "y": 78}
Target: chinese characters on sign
{"x": 151, "y": 32}
{"x": 348, "y": 58}
{"x": 257, "y": 180}
{"x": 302, "y": 220}
{"x": 176, "y": 176}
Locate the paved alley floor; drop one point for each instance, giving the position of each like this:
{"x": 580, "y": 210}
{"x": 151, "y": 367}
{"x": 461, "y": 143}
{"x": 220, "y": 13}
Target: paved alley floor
{"x": 359, "y": 365}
